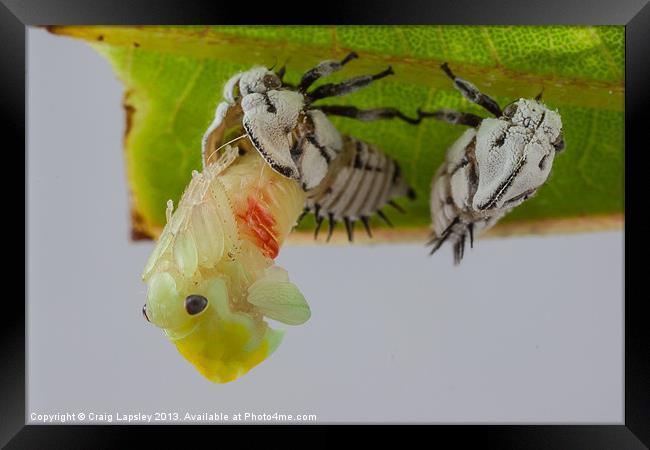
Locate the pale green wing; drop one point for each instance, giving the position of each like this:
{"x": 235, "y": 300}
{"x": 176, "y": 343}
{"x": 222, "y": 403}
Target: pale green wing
{"x": 279, "y": 300}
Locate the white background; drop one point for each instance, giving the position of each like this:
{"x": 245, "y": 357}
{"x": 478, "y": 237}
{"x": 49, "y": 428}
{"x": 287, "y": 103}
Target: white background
{"x": 525, "y": 330}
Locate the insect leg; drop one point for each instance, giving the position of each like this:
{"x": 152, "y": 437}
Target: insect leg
{"x": 319, "y": 222}
{"x": 367, "y": 115}
{"x": 385, "y": 218}
{"x": 349, "y": 227}
{"x": 332, "y": 225}
{"x": 345, "y": 87}
{"x": 396, "y": 206}
{"x": 323, "y": 69}
{"x": 437, "y": 241}
{"x": 281, "y": 73}
{"x": 144, "y": 312}
{"x": 302, "y": 215}
{"x": 366, "y": 225}
{"x": 459, "y": 249}
{"x": 470, "y": 227}
{"x": 471, "y": 92}
{"x": 453, "y": 117}
{"x": 410, "y": 194}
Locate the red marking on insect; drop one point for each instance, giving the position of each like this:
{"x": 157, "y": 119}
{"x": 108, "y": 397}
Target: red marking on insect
{"x": 260, "y": 222}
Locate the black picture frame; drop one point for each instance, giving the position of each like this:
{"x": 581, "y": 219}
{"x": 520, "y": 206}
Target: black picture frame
{"x": 15, "y": 15}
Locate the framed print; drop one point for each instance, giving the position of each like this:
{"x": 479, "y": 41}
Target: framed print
{"x": 395, "y": 216}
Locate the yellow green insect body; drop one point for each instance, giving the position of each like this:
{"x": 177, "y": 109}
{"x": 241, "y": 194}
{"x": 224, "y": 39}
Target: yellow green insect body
{"x": 212, "y": 280}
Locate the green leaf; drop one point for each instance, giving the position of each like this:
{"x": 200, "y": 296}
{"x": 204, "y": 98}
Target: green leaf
{"x": 173, "y": 78}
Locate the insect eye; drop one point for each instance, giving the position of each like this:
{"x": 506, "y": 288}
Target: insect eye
{"x": 500, "y": 140}
{"x": 272, "y": 81}
{"x": 559, "y": 143}
{"x": 194, "y": 304}
{"x": 510, "y": 110}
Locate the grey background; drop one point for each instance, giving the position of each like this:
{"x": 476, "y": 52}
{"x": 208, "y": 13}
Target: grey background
{"x": 526, "y": 330}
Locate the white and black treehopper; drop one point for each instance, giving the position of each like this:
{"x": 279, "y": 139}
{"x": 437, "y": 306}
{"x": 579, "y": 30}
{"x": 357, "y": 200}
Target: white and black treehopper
{"x": 346, "y": 180}
{"x": 493, "y": 167}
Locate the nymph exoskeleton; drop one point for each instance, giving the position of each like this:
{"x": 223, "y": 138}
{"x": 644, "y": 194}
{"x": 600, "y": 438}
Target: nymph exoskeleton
{"x": 212, "y": 280}
{"x": 359, "y": 183}
{"x": 298, "y": 140}
{"x": 493, "y": 167}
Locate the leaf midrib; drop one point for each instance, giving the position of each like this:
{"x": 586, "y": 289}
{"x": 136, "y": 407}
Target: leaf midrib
{"x": 603, "y": 95}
